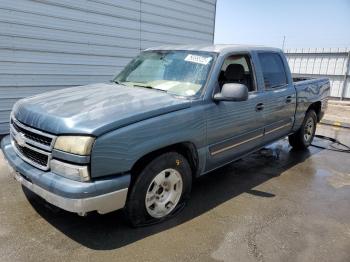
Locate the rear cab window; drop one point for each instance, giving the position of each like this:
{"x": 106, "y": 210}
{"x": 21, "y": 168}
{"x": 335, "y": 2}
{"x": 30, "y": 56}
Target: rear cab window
{"x": 273, "y": 70}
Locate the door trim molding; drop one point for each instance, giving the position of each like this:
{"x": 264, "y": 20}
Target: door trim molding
{"x": 223, "y": 149}
{"x": 235, "y": 145}
{"x": 277, "y": 128}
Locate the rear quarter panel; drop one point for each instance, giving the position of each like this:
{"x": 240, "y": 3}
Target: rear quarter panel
{"x": 309, "y": 92}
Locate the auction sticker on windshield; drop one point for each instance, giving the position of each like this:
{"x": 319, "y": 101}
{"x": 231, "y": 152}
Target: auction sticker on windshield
{"x": 198, "y": 59}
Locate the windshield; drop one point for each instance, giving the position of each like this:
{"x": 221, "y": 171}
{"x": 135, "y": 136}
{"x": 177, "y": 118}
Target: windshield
{"x": 181, "y": 73}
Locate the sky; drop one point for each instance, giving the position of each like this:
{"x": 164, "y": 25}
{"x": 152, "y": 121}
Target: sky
{"x": 304, "y": 23}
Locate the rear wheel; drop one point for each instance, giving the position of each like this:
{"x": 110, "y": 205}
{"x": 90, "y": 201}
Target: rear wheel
{"x": 305, "y": 135}
{"x": 159, "y": 190}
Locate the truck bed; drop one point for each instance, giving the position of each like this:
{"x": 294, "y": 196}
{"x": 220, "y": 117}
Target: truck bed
{"x": 309, "y": 90}
{"x": 301, "y": 78}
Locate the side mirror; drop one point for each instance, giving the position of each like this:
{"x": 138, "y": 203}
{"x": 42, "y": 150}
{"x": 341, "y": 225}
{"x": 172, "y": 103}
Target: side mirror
{"x": 232, "y": 92}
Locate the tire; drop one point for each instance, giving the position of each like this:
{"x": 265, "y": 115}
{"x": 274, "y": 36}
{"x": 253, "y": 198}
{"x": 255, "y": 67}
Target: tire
{"x": 159, "y": 190}
{"x": 303, "y": 138}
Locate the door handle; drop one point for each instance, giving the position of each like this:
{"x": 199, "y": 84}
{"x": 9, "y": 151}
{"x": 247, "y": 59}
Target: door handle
{"x": 288, "y": 99}
{"x": 259, "y": 107}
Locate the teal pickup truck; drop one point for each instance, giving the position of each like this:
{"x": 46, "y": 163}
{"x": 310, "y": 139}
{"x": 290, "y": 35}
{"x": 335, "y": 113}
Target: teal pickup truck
{"x": 174, "y": 113}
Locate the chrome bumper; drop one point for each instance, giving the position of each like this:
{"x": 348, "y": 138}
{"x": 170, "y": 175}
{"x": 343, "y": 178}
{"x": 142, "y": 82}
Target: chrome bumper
{"x": 102, "y": 204}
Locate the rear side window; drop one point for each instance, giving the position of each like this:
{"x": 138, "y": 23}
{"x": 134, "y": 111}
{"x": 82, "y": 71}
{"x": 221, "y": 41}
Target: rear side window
{"x": 273, "y": 70}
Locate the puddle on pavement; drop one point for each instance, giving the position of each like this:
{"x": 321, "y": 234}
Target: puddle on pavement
{"x": 338, "y": 179}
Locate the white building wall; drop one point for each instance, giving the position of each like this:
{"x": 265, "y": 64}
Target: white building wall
{"x": 323, "y": 62}
{"x": 51, "y": 44}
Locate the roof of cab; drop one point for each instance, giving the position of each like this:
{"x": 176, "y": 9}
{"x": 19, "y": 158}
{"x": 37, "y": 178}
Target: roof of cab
{"x": 216, "y": 48}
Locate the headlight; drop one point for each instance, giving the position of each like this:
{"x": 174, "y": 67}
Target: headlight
{"x": 80, "y": 145}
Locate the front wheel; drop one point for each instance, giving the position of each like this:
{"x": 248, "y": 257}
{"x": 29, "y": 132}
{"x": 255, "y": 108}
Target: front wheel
{"x": 305, "y": 135}
{"x": 159, "y": 190}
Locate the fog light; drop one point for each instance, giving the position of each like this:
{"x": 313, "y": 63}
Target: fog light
{"x": 70, "y": 171}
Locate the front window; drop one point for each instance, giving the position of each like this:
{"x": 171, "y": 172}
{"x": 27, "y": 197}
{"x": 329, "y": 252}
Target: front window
{"x": 182, "y": 73}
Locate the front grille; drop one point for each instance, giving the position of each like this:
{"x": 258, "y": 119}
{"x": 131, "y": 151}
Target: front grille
{"x": 32, "y": 145}
{"x": 32, "y": 155}
{"x": 33, "y": 136}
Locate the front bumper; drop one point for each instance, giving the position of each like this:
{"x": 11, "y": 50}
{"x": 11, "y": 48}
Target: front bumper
{"x": 102, "y": 195}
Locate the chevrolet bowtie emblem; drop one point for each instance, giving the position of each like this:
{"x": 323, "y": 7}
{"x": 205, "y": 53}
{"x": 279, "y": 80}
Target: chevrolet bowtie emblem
{"x": 20, "y": 139}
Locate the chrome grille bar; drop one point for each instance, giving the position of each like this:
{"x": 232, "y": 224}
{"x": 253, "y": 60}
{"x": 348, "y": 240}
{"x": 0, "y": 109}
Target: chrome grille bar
{"x": 34, "y": 131}
{"x": 32, "y": 145}
{"x": 28, "y": 160}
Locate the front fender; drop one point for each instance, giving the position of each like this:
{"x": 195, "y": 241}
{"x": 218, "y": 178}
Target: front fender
{"x": 117, "y": 151}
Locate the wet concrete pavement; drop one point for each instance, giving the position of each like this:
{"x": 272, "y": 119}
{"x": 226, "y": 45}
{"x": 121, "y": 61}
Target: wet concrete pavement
{"x": 274, "y": 205}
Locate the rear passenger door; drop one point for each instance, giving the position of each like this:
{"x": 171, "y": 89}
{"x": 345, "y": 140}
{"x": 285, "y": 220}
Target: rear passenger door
{"x": 279, "y": 101}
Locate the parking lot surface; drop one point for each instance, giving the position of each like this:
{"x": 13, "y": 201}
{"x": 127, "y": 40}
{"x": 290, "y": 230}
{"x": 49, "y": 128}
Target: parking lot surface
{"x": 274, "y": 205}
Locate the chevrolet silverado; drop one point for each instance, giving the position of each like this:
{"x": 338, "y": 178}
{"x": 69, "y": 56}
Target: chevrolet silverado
{"x": 172, "y": 114}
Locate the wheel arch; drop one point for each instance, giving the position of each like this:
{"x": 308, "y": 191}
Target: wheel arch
{"x": 186, "y": 149}
{"x": 316, "y": 106}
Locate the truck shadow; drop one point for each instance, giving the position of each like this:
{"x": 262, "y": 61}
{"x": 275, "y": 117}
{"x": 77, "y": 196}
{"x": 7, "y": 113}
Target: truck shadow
{"x": 111, "y": 231}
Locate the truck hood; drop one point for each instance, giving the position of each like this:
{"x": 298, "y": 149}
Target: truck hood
{"x": 94, "y": 109}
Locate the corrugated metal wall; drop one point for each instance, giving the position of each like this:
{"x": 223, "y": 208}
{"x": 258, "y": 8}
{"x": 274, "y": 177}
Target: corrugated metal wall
{"x": 51, "y": 44}
{"x": 333, "y": 63}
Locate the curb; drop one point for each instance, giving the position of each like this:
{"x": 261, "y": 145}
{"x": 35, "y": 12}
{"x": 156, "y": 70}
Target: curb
{"x": 335, "y": 123}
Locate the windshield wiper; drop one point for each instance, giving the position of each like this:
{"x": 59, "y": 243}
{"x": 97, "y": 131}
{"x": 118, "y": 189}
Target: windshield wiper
{"x": 118, "y": 83}
{"x": 149, "y": 87}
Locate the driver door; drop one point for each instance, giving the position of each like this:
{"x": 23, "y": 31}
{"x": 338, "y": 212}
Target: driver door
{"x": 235, "y": 128}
